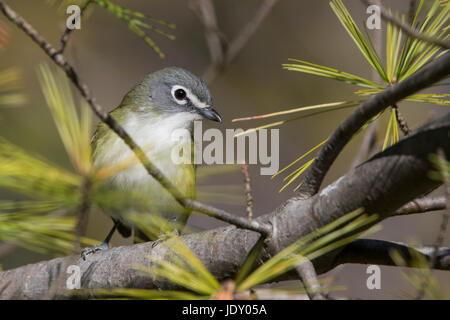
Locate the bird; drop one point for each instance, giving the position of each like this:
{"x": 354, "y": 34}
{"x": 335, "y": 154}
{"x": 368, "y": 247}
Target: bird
{"x": 164, "y": 101}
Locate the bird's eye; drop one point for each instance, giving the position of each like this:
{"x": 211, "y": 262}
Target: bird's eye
{"x": 180, "y": 94}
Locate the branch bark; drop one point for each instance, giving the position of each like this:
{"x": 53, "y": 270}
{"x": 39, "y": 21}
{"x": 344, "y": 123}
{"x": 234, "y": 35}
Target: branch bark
{"x": 370, "y": 251}
{"x": 381, "y": 185}
{"x": 66, "y": 35}
{"x": 422, "y": 205}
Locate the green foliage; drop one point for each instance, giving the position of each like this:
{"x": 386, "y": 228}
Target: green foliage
{"x": 48, "y": 191}
{"x": 353, "y": 31}
{"x": 3, "y": 35}
{"x": 441, "y": 170}
{"x": 420, "y": 276}
{"x": 38, "y": 232}
{"x": 183, "y": 268}
{"x": 9, "y": 79}
{"x": 318, "y": 109}
{"x": 208, "y": 191}
{"x": 392, "y": 127}
{"x": 74, "y": 130}
{"x": 312, "y": 246}
{"x": 9, "y": 85}
{"x": 33, "y": 177}
{"x": 52, "y": 189}
{"x": 405, "y": 56}
{"x": 136, "y": 21}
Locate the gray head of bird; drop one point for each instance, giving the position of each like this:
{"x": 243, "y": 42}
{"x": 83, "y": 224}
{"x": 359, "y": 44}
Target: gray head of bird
{"x": 170, "y": 91}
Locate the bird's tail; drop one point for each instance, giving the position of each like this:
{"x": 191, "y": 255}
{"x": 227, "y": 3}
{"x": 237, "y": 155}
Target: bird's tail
{"x": 124, "y": 230}
{"x": 140, "y": 237}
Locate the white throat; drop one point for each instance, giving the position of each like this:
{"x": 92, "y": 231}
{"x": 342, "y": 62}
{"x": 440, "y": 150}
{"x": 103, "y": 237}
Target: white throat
{"x": 154, "y": 136}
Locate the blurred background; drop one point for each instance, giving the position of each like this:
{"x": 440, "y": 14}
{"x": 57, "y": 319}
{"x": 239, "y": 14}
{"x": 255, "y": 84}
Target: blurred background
{"x": 110, "y": 60}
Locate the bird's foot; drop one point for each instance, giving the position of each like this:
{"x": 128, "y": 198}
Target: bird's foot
{"x": 163, "y": 237}
{"x": 94, "y": 249}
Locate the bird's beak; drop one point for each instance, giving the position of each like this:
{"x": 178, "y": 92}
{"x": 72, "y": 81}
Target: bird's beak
{"x": 210, "y": 113}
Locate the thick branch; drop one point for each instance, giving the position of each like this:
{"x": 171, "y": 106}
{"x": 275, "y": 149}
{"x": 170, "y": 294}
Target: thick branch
{"x": 315, "y": 174}
{"x": 370, "y": 251}
{"x": 382, "y": 185}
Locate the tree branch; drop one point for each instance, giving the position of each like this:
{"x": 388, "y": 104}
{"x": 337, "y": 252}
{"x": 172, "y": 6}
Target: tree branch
{"x": 430, "y": 74}
{"x": 308, "y": 276}
{"x": 222, "y": 55}
{"x": 214, "y": 39}
{"x": 248, "y": 191}
{"x": 249, "y": 29}
{"x": 370, "y": 251}
{"x": 422, "y": 205}
{"x": 66, "y": 35}
{"x": 381, "y": 185}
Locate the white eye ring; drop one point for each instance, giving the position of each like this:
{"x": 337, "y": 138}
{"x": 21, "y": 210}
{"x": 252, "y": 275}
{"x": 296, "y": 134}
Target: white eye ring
{"x": 188, "y": 96}
{"x": 176, "y": 91}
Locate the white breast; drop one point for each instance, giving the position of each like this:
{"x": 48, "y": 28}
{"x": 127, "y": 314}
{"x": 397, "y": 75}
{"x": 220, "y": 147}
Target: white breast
{"x": 154, "y": 136}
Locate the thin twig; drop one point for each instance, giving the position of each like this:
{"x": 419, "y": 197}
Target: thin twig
{"x": 249, "y": 29}
{"x": 118, "y": 129}
{"x": 66, "y": 35}
{"x": 214, "y": 38}
{"x": 83, "y": 210}
{"x": 308, "y": 276}
{"x": 422, "y": 205}
{"x": 399, "y": 116}
{"x": 220, "y": 214}
{"x": 385, "y": 14}
{"x": 370, "y": 134}
{"x": 221, "y": 54}
{"x": 412, "y": 10}
{"x": 401, "y": 120}
{"x": 248, "y": 191}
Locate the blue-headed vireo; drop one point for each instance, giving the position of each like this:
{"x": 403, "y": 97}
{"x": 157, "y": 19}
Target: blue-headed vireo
{"x": 166, "y": 100}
